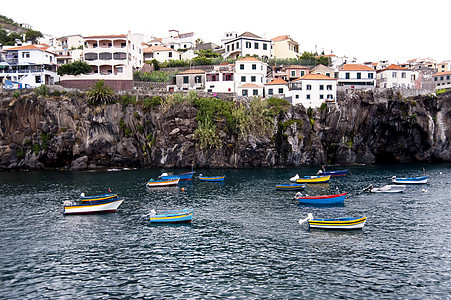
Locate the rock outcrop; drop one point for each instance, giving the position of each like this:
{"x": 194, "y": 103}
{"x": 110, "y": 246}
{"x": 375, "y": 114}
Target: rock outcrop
{"x": 64, "y": 132}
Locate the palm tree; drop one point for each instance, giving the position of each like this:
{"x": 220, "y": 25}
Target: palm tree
{"x": 99, "y": 93}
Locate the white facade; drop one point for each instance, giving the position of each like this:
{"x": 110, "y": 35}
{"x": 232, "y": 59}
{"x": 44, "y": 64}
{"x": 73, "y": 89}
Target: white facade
{"x": 277, "y": 88}
{"x": 178, "y": 40}
{"x": 221, "y": 80}
{"x": 395, "y": 76}
{"x": 29, "y": 66}
{"x": 442, "y": 80}
{"x": 312, "y": 90}
{"x": 247, "y": 44}
{"x": 250, "y": 71}
{"x": 161, "y": 54}
{"x": 356, "y": 76}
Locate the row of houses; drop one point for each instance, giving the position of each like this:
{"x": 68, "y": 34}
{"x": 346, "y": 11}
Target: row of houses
{"x": 114, "y": 58}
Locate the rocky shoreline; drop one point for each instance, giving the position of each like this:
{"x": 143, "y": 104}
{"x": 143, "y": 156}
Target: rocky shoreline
{"x": 62, "y": 131}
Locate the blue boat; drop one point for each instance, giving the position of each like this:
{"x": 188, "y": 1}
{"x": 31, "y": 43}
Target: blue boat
{"x": 333, "y": 173}
{"x": 411, "y": 180}
{"x": 322, "y": 200}
{"x": 172, "y": 216}
{"x": 182, "y": 176}
{"x": 211, "y": 178}
{"x": 291, "y": 187}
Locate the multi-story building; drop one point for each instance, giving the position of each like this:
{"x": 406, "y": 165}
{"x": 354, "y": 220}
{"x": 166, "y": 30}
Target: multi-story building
{"x": 178, "y": 40}
{"x": 312, "y": 90}
{"x": 444, "y": 66}
{"x": 285, "y": 47}
{"x": 247, "y": 44}
{"x": 221, "y": 79}
{"x": 277, "y": 88}
{"x": 113, "y": 58}
{"x": 161, "y": 54}
{"x": 69, "y": 48}
{"x": 250, "y": 76}
{"x": 356, "y": 76}
{"x": 28, "y": 66}
{"x": 394, "y": 76}
{"x": 442, "y": 80}
{"x": 291, "y": 72}
{"x": 193, "y": 79}
{"x": 322, "y": 69}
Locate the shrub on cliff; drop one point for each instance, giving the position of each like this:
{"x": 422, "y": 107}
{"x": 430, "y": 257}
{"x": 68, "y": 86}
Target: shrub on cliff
{"x": 99, "y": 93}
{"x": 75, "y": 68}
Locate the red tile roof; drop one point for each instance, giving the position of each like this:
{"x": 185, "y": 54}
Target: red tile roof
{"x": 249, "y": 58}
{"x": 106, "y": 36}
{"x": 251, "y": 85}
{"x": 152, "y": 49}
{"x": 192, "y": 71}
{"x": 442, "y": 73}
{"x": 394, "y": 67}
{"x": 354, "y": 67}
{"x": 315, "y": 77}
{"x": 277, "y": 81}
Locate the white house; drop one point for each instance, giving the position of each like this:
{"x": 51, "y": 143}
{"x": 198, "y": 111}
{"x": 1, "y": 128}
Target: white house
{"x": 442, "y": 80}
{"x": 193, "y": 79}
{"x": 178, "y": 40}
{"x": 356, "y": 76}
{"x": 28, "y": 66}
{"x": 395, "y": 76}
{"x": 113, "y": 58}
{"x": 247, "y": 44}
{"x": 221, "y": 79}
{"x": 312, "y": 90}
{"x": 250, "y": 76}
{"x": 161, "y": 54}
{"x": 277, "y": 88}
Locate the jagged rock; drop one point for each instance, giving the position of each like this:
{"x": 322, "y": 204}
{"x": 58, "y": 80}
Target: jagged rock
{"x": 79, "y": 164}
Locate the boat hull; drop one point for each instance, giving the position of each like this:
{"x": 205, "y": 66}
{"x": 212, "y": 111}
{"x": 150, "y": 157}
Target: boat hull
{"x": 212, "y": 179}
{"x": 314, "y": 179}
{"x": 323, "y": 200}
{"x": 291, "y": 187}
{"x": 335, "y": 173}
{"x": 389, "y": 189}
{"x": 93, "y": 207}
{"x": 338, "y": 223}
{"x": 163, "y": 183}
{"x": 411, "y": 180}
{"x": 183, "y": 176}
{"x": 180, "y": 216}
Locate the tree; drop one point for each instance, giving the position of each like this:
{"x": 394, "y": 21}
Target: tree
{"x": 199, "y": 41}
{"x": 33, "y": 36}
{"x": 75, "y": 68}
{"x": 99, "y": 93}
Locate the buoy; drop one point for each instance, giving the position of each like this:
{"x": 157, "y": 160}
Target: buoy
{"x": 183, "y": 189}
{"x": 424, "y": 191}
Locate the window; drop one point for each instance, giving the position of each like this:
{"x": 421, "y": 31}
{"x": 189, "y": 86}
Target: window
{"x": 119, "y": 55}
{"x": 244, "y": 93}
{"x": 120, "y": 70}
{"x": 321, "y": 87}
{"x": 308, "y": 87}
{"x": 329, "y": 87}
{"x": 256, "y": 45}
{"x": 241, "y": 66}
{"x": 248, "y": 45}
{"x": 359, "y": 75}
{"x": 302, "y": 73}
{"x": 403, "y": 75}
{"x": 328, "y": 74}
{"x": 253, "y": 79}
{"x": 198, "y": 79}
{"x": 105, "y": 56}
{"x": 237, "y": 45}
{"x": 243, "y": 78}
{"x": 441, "y": 78}
{"x": 170, "y": 54}
{"x": 91, "y": 56}
{"x": 297, "y": 96}
{"x": 25, "y": 54}
{"x": 293, "y": 73}
{"x": 321, "y": 97}
{"x": 265, "y": 47}
{"x": 227, "y": 77}
{"x": 280, "y": 90}
{"x": 228, "y": 48}
{"x": 447, "y": 77}
{"x": 123, "y": 45}
{"x": 212, "y": 77}
{"x": 330, "y": 96}
{"x": 270, "y": 92}
{"x": 254, "y": 67}
{"x": 185, "y": 79}
{"x": 307, "y": 96}
{"x": 393, "y": 74}
{"x": 348, "y": 75}
{"x": 370, "y": 75}
{"x": 255, "y": 92}
{"x": 435, "y": 78}
{"x": 37, "y": 79}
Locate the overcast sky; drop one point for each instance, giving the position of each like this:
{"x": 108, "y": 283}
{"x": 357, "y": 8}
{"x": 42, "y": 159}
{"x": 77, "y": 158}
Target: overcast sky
{"x": 369, "y": 30}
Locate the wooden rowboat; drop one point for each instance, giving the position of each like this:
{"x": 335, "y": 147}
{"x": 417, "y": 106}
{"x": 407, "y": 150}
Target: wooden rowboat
{"x": 211, "y": 179}
{"x": 174, "y": 216}
{"x": 291, "y": 187}
{"x": 93, "y": 204}
{"x": 333, "y": 173}
{"x": 162, "y": 183}
{"x": 313, "y": 179}
{"x": 321, "y": 200}
{"x": 390, "y": 188}
{"x": 345, "y": 223}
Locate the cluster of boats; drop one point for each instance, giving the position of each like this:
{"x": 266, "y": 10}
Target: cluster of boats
{"x": 323, "y": 176}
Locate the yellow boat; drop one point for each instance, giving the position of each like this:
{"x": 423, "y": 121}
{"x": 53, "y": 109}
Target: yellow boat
{"x": 313, "y": 179}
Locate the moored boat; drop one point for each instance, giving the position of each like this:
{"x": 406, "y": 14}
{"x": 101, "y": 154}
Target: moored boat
{"x": 93, "y": 204}
{"x": 172, "y": 216}
{"x": 344, "y": 223}
{"x": 333, "y": 173}
{"x": 312, "y": 179}
{"x": 291, "y": 187}
{"x": 321, "y": 200}
{"x": 410, "y": 180}
{"x": 182, "y": 176}
{"x": 389, "y": 188}
{"x": 211, "y": 178}
{"x": 162, "y": 183}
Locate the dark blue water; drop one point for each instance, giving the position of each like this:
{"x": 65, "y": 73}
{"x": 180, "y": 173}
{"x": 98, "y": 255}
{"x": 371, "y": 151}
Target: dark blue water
{"x": 244, "y": 242}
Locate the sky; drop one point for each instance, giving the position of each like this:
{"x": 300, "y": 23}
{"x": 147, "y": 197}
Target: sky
{"x": 395, "y": 30}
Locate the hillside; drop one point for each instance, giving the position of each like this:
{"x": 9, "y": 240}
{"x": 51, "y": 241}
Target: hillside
{"x": 10, "y": 31}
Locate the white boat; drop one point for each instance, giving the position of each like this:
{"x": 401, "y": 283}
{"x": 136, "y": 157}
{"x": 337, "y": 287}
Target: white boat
{"x": 345, "y": 223}
{"x": 389, "y": 188}
{"x": 410, "y": 180}
{"x": 93, "y": 204}
{"x": 162, "y": 183}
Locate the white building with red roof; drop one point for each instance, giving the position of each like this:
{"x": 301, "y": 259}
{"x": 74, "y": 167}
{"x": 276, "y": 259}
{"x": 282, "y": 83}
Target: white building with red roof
{"x": 394, "y": 76}
{"x": 28, "y": 66}
{"x": 285, "y": 47}
{"x": 312, "y": 90}
{"x": 247, "y": 44}
{"x": 277, "y": 88}
{"x": 161, "y": 54}
{"x": 250, "y": 76}
{"x": 442, "y": 80}
{"x": 355, "y": 76}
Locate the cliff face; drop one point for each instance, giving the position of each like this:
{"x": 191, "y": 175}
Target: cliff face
{"x": 65, "y": 132}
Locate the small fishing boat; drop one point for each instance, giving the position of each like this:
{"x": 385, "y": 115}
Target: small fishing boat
{"x": 310, "y": 179}
{"x": 335, "y": 223}
{"x": 182, "y": 176}
{"x": 321, "y": 200}
{"x": 291, "y": 187}
{"x": 162, "y": 183}
{"x": 211, "y": 179}
{"x": 172, "y": 216}
{"x": 333, "y": 173}
{"x": 389, "y": 188}
{"x": 410, "y": 180}
{"x": 93, "y": 204}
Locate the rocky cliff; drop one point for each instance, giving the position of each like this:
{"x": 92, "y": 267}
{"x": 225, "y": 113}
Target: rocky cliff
{"x": 62, "y": 131}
